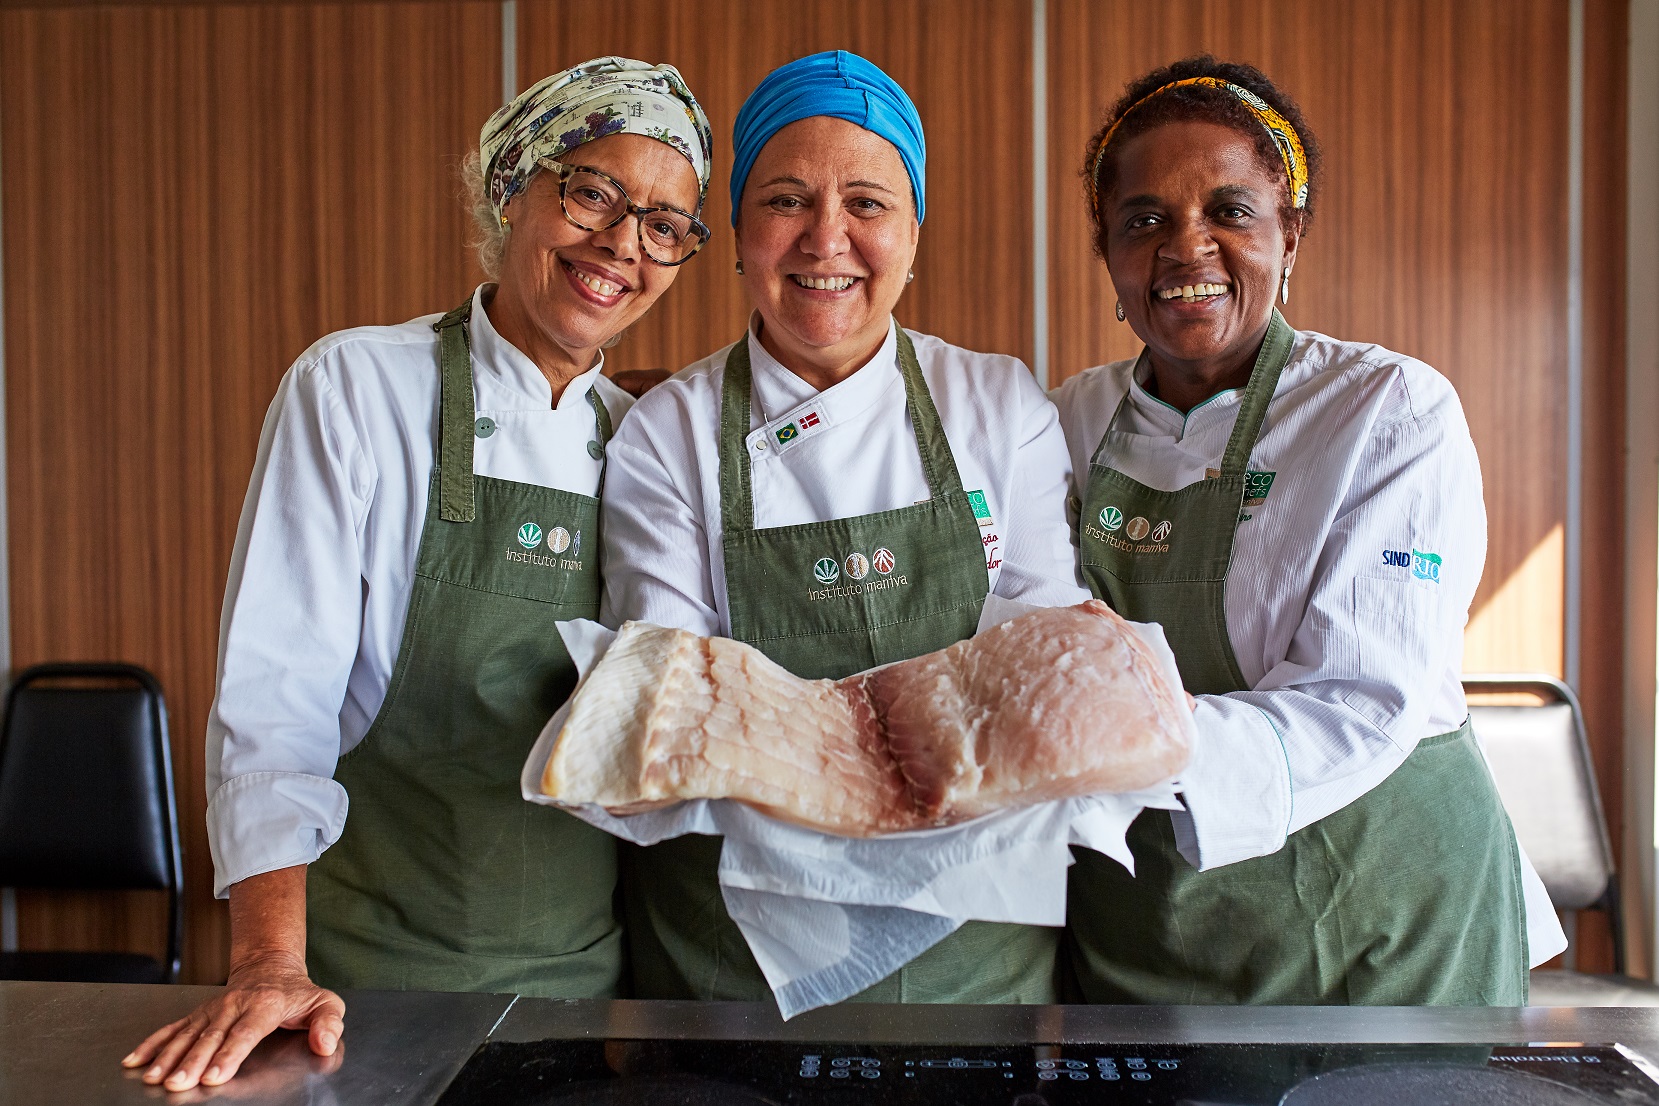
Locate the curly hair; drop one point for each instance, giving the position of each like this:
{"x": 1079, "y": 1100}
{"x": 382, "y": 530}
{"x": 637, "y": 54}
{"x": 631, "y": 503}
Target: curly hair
{"x": 489, "y": 237}
{"x": 1207, "y": 104}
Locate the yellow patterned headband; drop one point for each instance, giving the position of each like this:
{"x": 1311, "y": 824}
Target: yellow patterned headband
{"x": 1284, "y": 137}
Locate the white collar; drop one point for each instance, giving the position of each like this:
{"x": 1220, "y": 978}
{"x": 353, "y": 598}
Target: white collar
{"x": 784, "y": 399}
{"x": 512, "y": 380}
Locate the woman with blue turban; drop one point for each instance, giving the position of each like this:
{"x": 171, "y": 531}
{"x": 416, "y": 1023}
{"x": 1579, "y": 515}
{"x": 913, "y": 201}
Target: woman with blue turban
{"x": 377, "y": 646}
{"x": 833, "y": 489}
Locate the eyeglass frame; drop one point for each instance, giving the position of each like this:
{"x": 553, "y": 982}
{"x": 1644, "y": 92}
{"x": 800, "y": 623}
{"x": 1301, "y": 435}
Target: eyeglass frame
{"x": 564, "y": 171}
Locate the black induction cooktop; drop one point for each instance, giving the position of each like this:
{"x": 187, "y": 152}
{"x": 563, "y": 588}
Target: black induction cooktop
{"x": 775, "y": 1073}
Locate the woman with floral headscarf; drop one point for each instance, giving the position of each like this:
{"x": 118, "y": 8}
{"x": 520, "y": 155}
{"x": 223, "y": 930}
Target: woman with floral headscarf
{"x": 423, "y": 508}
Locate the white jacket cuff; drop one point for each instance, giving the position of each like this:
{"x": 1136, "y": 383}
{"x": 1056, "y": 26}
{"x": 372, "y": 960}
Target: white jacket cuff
{"x": 262, "y": 821}
{"x": 1237, "y": 789}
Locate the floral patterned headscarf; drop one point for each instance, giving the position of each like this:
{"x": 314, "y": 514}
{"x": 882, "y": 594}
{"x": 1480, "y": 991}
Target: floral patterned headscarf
{"x": 588, "y": 101}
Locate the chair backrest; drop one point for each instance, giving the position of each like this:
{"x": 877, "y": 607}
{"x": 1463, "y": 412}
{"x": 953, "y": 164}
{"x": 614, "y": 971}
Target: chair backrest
{"x": 1541, "y": 762}
{"x": 86, "y": 784}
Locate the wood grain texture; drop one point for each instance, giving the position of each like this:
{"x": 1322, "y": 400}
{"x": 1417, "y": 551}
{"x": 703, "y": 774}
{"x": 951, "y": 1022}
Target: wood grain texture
{"x": 967, "y": 65}
{"x": 192, "y": 196}
{"x": 1601, "y": 673}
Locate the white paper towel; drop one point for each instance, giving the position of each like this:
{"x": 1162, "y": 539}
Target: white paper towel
{"x": 827, "y": 916}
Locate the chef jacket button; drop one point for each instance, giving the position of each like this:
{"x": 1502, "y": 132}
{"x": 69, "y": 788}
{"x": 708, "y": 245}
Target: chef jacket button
{"x": 761, "y": 444}
{"x": 595, "y": 450}
{"x": 484, "y": 427}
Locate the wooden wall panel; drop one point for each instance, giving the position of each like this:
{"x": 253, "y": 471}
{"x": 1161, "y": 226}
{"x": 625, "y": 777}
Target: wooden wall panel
{"x": 192, "y": 196}
{"x": 966, "y": 63}
{"x": 1601, "y": 675}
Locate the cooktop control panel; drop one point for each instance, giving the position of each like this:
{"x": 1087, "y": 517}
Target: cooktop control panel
{"x": 767, "y": 1073}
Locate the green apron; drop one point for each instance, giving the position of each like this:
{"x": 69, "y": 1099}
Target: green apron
{"x": 445, "y": 879}
{"x": 1411, "y": 895}
{"x": 825, "y": 600}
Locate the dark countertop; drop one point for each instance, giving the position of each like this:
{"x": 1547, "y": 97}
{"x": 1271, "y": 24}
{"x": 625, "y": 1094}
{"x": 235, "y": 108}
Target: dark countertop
{"x": 62, "y": 1042}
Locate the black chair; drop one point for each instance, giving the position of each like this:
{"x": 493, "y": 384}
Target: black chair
{"x": 86, "y": 802}
{"x": 1540, "y": 759}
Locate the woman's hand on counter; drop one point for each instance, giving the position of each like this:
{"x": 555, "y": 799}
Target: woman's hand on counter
{"x": 210, "y": 1044}
{"x": 268, "y": 989}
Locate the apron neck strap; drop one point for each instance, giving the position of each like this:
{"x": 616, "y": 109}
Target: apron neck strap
{"x": 938, "y": 462}
{"x": 455, "y": 411}
{"x": 1252, "y": 411}
{"x": 601, "y": 417}
{"x": 737, "y": 501}
{"x": 1264, "y": 381}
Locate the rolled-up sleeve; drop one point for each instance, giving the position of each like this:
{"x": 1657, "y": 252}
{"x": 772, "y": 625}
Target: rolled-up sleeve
{"x": 1040, "y": 562}
{"x": 1382, "y": 628}
{"x": 289, "y": 633}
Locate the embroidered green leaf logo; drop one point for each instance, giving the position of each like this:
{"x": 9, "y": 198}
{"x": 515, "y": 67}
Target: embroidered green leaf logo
{"x": 826, "y": 571}
{"x": 529, "y": 535}
{"x": 1111, "y": 518}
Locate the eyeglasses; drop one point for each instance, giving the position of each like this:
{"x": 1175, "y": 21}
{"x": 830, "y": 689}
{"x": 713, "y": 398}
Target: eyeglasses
{"x": 593, "y": 201}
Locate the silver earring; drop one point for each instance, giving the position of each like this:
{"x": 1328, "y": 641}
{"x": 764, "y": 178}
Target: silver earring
{"x": 1284, "y": 288}
{"x": 740, "y": 266}
{"x": 911, "y": 277}
{"x": 1121, "y": 315}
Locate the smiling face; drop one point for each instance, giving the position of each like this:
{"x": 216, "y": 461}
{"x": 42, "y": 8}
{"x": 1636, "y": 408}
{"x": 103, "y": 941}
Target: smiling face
{"x": 827, "y": 232}
{"x": 574, "y": 289}
{"x": 1196, "y": 249}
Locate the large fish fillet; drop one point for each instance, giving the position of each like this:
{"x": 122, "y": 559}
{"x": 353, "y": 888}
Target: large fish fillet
{"x": 1058, "y": 703}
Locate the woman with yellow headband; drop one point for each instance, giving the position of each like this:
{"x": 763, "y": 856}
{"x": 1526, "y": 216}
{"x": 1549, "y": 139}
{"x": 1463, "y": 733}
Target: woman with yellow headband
{"x": 1304, "y": 517}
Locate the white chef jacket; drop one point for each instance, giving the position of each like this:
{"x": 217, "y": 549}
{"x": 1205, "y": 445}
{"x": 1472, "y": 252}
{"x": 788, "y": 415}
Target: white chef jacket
{"x": 322, "y": 568}
{"x": 854, "y": 452}
{"x": 1351, "y": 642}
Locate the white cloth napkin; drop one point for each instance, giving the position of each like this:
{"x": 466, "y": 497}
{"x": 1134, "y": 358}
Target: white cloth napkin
{"x": 827, "y": 916}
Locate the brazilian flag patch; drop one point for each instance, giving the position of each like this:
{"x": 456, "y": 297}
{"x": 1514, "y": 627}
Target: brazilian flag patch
{"x": 788, "y": 432}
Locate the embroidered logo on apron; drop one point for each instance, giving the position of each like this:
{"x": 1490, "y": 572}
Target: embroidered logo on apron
{"x": 1140, "y": 535}
{"x": 559, "y": 539}
{"x": 856, "y": 567}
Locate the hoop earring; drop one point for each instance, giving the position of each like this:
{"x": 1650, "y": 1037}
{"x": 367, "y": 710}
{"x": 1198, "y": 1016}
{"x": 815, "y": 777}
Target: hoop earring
{"x": 1121, "y": 315}
{"x": 740, "y": 266}
{"x": 1284, "y": 288}
{"x": 911, "y": 277}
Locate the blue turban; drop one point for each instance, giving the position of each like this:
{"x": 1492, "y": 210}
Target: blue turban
{"x": 838, "y": 84}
